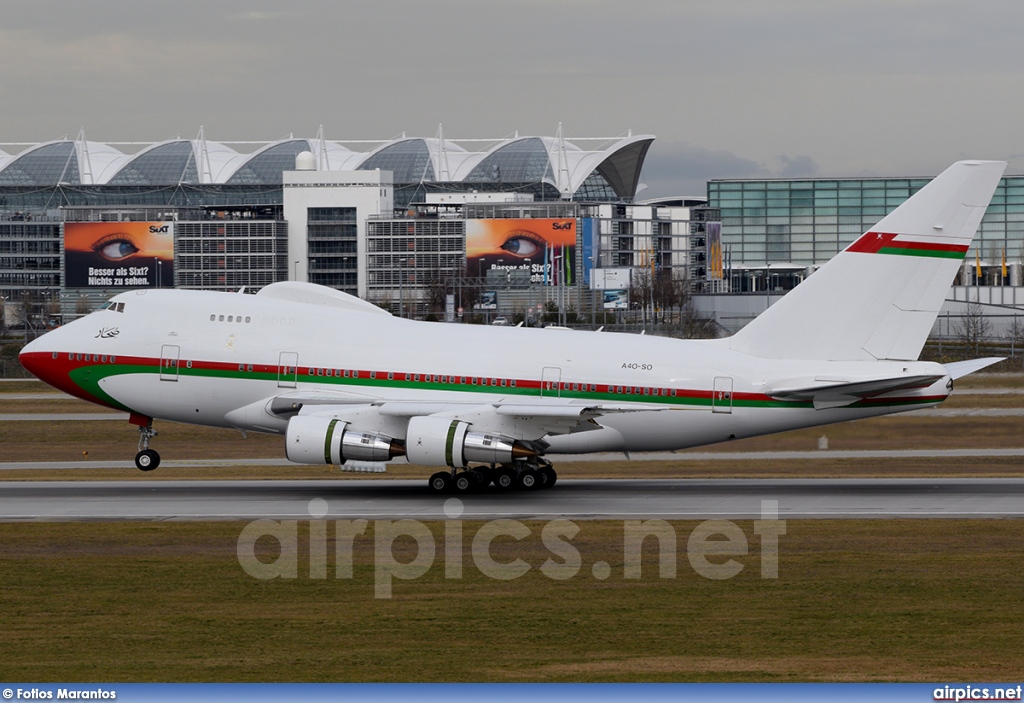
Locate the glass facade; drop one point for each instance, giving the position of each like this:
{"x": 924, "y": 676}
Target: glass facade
{"x": 31, "y": 261}
{"x": 409, "y": 161}
{"x": 47, "y": 165}
{"x": 266, "y": 167}
{"x": 166, "y": 164}
{"x": 524, "y": 161}
{"x": 406, "y": 258}
{"x": 332, "y": 241}
{"x": 807, "y": 222}
{"x": 228, "y": 254}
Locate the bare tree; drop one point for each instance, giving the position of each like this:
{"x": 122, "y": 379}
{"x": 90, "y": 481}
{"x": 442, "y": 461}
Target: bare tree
{"x": 641, "y": 285}
{"x": 694, "y": 325}
{"x": 438, "y": 288}
{"x": 82, "y": 306}
{"x": 973, "y": 327}
{"x": 1015, "y": 333}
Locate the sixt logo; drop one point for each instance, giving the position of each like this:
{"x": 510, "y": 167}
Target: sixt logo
{"x": 155, "y": 229}
{"x": 561, "y": 225}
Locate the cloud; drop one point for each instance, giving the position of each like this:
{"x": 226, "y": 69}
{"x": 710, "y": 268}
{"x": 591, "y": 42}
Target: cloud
{"x": 797, "y": 167}
{"x": 681, "y": 168}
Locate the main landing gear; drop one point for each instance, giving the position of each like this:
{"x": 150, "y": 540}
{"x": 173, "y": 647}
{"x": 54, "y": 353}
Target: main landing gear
{"x": 532, "y": 475}
{"x": 147, "y": 459}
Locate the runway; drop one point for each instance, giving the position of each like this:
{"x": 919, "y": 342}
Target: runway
{"x": 571, "y": 499}
{"x": 822, "y": 455}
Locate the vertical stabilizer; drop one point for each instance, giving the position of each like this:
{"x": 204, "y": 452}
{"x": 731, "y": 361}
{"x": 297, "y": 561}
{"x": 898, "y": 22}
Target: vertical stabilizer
{"x": 878, "y": 298}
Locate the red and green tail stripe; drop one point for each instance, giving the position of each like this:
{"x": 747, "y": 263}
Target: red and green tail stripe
{"x": 885, "y": 243}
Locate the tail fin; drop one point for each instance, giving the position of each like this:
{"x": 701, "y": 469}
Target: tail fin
{"x": 878, "y": 298}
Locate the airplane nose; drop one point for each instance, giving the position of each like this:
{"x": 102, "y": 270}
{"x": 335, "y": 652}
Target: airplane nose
{"x": 31, "y": 360}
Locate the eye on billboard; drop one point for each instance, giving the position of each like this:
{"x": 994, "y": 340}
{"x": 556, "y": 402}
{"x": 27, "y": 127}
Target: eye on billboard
{"x": 118, "y": 254}
{"x": 544, "y": 247}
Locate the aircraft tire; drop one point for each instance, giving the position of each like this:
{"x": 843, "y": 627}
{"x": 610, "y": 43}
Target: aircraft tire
{"x": 505, "y": 479}
{"x": 441, "y": 482}
{"x": 542, "y": 480}
{"x": 529, "y": 480}
{"x": 551, "y": 475}
{"x": 464, "y": 483}
{"x": 147, "y": 460}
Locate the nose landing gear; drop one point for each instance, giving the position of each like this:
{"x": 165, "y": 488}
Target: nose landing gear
{"x": 147, "y": 459}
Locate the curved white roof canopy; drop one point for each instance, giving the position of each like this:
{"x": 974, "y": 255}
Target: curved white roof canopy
{"x": 613, "y": 169}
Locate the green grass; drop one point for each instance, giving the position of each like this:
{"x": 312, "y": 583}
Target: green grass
{"x": 884, "y": 600}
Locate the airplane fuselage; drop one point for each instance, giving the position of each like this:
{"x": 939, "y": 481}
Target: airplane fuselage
{"x": 218, "y": 359}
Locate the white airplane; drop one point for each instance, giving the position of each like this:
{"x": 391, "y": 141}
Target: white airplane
{"x": 344, "y": 380}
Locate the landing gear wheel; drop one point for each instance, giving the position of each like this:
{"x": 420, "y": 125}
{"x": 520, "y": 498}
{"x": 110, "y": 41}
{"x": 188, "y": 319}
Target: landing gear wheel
{"x": 542, "y": 480}
{"x": 505, "y": 479}
{"x": 441, "y": 482}
{"x": 484, "y": 476}
{"x": 464, "y": 482}
{"x": 529, "y": 480}
{"x": 147, "y": 460}
{"x": 549, "y": 475}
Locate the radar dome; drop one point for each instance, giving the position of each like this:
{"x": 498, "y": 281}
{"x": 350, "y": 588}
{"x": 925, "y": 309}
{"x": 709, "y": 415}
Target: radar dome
{"x": 305, "y": 161}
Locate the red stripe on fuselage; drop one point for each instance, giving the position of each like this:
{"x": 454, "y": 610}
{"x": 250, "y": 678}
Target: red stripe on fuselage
{"x": 57, "y": 373}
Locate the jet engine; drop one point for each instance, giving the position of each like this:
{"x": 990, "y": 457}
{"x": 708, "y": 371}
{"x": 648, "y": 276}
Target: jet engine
{"x": 317, "y": 439}
{"x": 444, "y": 441}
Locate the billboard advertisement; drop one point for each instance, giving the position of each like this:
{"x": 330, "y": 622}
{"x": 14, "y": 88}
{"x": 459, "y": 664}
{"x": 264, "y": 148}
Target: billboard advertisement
{"x": 616, "y": 299}
{"x": 716, "y": 262}
{"x": 544, "y": 247}
{"x": 611, "y": 278}
{"x": 488, "y": 300}
{"x": 118, "y": 254}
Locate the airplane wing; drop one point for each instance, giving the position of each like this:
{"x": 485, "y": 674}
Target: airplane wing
{"x": 838, "y": 394}
{"x": 527, "y": 419}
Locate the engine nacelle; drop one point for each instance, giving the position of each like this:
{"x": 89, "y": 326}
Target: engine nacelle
{"x": 316, "y": 439}
{"x": 443, "y": 441}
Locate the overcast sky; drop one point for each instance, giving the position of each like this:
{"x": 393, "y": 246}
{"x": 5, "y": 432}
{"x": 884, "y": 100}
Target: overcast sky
{"x": 730, "y": 88}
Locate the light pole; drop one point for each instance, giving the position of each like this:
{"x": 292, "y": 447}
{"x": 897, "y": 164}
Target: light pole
{"x": 295, "y": 269}
{"x": 529, "y": 292}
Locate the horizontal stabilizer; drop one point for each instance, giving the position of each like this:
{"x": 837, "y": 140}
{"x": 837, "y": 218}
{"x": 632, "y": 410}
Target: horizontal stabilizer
{"x": 836, "y": 395}
{"x": 959, "y": 369}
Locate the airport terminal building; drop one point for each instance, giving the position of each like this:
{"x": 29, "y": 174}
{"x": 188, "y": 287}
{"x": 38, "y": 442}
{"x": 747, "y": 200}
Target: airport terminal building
{"x": 431, "y": 226}
{"x": 387, "y": 221}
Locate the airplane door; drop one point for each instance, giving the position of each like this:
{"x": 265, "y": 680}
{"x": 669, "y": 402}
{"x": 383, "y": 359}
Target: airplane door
{"x": 550, "y": 380}
{"x": 169, "y": 362}
{"x": 721, "y": 399}
{"x": 287, "y": 369}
